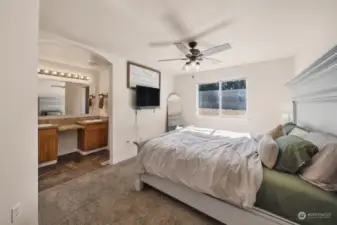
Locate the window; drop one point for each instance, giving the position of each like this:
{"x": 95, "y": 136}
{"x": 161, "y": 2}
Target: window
{"x": 222, "y": 98}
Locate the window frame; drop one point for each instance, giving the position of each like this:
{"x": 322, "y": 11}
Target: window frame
{"x": 220, "y": 115}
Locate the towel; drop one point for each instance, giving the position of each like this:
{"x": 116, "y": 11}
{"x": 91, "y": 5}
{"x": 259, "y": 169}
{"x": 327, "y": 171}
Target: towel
{"x": 101, "y": 102}
{"x": 90, "y": 101}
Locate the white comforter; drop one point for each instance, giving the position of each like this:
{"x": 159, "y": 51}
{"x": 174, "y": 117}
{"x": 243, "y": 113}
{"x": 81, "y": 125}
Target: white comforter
{"x": 223, "y": 167}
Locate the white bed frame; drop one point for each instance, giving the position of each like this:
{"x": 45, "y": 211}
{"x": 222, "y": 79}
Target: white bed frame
{"x": 315, "y": 108}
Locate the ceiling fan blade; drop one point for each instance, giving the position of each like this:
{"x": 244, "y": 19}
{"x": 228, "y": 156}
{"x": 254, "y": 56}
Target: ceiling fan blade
{"x": 177, "y": 23}
{"x": 167, "y": 60}
{"x": 210, "y": 30}
{"x": 182, "y": 47}
{"x": 212, "y": 60}
{"x": 216, "y": 49}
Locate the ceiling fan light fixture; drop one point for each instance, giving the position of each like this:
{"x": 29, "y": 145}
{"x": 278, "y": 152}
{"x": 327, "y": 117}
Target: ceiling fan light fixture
{"x": 197, "y": 66}
{"x": 186, "y": 66}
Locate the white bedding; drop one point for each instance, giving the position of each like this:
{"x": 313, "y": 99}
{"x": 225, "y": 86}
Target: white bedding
{"x": 223, "y": 167}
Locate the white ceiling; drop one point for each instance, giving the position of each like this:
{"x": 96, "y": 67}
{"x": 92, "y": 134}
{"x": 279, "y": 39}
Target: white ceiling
{"x": 261, "y": 29}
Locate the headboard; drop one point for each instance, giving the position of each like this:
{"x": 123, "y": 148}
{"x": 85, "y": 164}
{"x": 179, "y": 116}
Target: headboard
{"x": 315, "y": 95}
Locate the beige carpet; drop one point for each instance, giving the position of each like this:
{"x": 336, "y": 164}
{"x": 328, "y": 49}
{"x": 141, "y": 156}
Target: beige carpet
{"x": 107, "y": 196}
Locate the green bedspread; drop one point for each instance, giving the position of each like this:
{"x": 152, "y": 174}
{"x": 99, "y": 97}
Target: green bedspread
{"x": 286, "y": 195}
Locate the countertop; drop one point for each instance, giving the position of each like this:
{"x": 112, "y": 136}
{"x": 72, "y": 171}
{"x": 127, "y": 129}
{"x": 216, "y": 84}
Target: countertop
{"x": 69, "y": 127}
{"x": 92, "y": 122}
{"x": 74, "y": 126}
{"x": 43, "y": 127}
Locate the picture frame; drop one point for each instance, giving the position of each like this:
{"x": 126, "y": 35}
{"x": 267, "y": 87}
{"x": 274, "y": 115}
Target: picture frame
{"x": 138, "y": 74}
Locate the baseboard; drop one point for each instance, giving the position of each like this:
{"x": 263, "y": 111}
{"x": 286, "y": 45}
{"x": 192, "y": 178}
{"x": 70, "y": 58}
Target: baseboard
{"x": 47, "y": 163}
{"x": 92, "y": 151}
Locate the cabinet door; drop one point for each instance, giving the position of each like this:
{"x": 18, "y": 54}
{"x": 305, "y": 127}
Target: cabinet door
{"x": 97, "y": 135}
{"x": 48, "y": 145}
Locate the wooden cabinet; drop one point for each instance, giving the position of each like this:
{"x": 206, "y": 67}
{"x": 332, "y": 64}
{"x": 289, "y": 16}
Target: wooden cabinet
{"x": 93, "y": 136}
{"x": 48, "y": 145}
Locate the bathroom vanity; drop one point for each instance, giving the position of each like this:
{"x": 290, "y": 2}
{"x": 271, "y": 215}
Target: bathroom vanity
{"x": 60, "y": 135}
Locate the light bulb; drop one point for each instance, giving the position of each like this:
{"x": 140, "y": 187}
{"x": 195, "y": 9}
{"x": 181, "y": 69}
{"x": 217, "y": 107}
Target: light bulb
{"x": 185, "y": 67}
{"x": 193, "y": 63}
{"x": 54, "y": 72}
{"x": 62, "y": 74}
{"x": 197, "y": 66}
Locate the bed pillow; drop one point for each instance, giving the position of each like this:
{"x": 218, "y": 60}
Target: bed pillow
{"x": 299, "y": 132}
{"x": 288, "y": 127}
{"x": 276, "y": 132}
{"x": 322, "y": 171}
{"x": 268, "y": 151}
{"x": 294, "y": 153}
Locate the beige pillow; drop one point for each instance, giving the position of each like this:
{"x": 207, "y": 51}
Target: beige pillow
{"x": 322, "y": 172}
{"x": 268, "y": 151}
{"x": 276, "y": 132}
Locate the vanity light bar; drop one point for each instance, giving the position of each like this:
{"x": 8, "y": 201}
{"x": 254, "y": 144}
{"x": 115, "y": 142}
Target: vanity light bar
{"x": 62, "y": 74}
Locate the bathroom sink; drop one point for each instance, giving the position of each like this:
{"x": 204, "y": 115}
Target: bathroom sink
{"x": 93, "y": 121}
{"x": 45, "y": 125}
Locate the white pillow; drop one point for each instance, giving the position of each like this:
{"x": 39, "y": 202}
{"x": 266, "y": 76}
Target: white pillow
{"x": 299, "y": 132}
{"x": 268, "y": 151}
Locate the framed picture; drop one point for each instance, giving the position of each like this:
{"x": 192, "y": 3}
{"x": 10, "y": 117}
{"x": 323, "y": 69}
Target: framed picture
{"x": 142, "y": 76}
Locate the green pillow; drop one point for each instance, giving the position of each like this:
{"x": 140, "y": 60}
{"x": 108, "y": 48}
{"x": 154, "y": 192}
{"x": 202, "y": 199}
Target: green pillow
{"x": 288, "y": 127}
{"x": 294, "y": 153}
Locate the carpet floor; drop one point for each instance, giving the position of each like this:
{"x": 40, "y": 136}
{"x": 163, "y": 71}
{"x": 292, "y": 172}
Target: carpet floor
{"x": 107, "y": 197}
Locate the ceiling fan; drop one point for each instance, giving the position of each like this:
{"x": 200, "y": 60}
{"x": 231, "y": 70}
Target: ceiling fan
{"x": 193, "y": 56}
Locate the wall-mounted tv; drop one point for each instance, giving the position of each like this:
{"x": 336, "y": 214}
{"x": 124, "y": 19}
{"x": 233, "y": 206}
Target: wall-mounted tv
{"x": 147, "y": 97}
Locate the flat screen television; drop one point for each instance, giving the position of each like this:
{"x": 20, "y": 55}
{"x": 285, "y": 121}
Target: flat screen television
{"x": 147, "y": 97}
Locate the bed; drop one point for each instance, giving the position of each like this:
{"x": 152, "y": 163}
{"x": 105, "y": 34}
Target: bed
{"x": 315, "y": 109}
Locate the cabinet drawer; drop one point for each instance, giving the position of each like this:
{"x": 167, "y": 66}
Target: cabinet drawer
{"x": 97, "y": 126}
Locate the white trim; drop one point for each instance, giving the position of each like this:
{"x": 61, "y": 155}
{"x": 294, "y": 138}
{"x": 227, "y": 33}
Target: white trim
{"x": 319, "y": 68}
{"x": 92, "y": 151}
{"x": 47, "y": 163}
{"x": 213, "y": 207}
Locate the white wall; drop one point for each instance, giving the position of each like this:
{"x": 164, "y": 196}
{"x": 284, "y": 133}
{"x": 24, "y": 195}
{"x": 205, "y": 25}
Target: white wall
{"x": 125, "y": 130}
{"x": 67, "y": 142}
{"x": 267, "y": 98}
{"x": 323, "y": 35}
{"x": 18, "y": 83}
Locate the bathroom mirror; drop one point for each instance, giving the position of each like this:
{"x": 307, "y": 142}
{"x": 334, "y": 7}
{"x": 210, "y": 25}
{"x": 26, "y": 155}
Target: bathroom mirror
{"x": 174, "y": 112}
{"x": 62, "y": 98}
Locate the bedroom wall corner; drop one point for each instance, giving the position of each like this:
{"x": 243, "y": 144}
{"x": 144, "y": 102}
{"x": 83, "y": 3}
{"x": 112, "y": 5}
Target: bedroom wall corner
{"x": 267, "y": 96}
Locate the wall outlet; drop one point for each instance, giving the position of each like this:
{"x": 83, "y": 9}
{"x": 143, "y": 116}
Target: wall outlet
{"x": 15, "y": 213}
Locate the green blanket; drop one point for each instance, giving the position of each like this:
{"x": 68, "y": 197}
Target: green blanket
{"x": 287, "y": 195}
